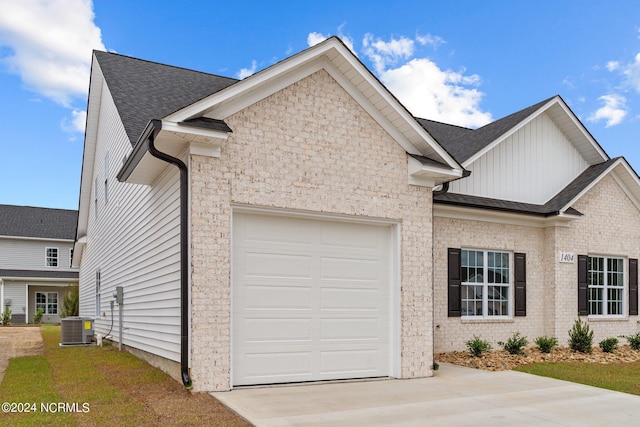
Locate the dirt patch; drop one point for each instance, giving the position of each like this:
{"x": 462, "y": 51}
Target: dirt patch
{"x": 17, "y": 342}
{"x": 500, "y": 360}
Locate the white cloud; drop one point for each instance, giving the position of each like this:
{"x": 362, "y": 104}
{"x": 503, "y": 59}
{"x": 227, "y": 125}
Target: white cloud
{"x": 613, "y": 65}
{"x": 75, "y": 123}
{"x": 632, "y": 73}
{"x": 613, "y": 111}
{"x": 383, "y": 54}
{"x": 50, "y": 43}
{"x": 315, "y": 38}
{"x": 429, "y": 40}
{"x": 436, "y": 94}
{"x": 246, "y": 72}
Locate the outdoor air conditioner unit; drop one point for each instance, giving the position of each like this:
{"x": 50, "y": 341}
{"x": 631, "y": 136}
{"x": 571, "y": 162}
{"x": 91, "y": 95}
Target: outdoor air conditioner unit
{"x": 76, "y": 330}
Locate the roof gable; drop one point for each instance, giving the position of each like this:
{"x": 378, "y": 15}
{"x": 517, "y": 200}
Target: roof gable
{"x": 144, "y": 90}
{"x": 45, "y": 223}
{"x": 335, "y": 58}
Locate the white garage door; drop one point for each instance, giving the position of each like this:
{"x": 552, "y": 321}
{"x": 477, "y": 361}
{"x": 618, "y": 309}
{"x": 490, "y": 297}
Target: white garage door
{"x": 311, "y": 299}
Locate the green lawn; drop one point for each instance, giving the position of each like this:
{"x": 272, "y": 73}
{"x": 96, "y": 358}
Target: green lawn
{"x": 624, "y": 377}
{"x": 101, "y": 386}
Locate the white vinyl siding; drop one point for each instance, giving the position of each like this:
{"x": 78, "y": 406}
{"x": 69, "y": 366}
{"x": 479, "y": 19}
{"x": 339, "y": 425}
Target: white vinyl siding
{"x": 529, "y": 166}
{"x": 17, "y": 293}
{"x": 30, "y": 254}
{"x": 136, "y": 240}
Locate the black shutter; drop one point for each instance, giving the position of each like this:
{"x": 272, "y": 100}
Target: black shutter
{"x": 453, "y": 286}
{"x": 520, "y": 273}
{"x": 633, "y": 287}
{"x": 583, "y": 286}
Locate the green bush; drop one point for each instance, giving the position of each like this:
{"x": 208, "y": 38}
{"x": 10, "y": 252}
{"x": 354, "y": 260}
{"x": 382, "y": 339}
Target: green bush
{"x": 71, "y": 303}
{"x": 37, "y": 317}
{"x": 5, "y": 317}
{"x": 546, "y": 344}
{"x": 580, "y": 337}
{"x": 478, "y": 346}
{"x": 515, "y": 344}
{"x": 633, "y": 340}
{"x": 609, "y": 345}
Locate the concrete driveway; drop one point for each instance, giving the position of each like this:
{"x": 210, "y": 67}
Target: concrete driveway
{"x": 456, "y": 396}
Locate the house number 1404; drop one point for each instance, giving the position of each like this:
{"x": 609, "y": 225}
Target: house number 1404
{"x": 567, "y": 257}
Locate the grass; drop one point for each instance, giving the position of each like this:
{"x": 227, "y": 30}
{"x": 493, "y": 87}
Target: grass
{"x": 117, "y": 388}
{"x": 613, "y": 376}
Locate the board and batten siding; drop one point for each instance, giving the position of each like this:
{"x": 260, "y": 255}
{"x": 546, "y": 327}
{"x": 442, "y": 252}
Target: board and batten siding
{"x": 531, "y": 165}
{"x": 27, "y": 254}
{"x": 134, "y": 241}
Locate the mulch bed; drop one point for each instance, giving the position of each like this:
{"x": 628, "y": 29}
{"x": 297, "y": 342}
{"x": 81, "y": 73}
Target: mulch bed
{"x": 500, "y": 360}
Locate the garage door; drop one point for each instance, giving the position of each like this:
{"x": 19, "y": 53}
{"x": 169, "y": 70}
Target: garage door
{"x": 311, "y": 299}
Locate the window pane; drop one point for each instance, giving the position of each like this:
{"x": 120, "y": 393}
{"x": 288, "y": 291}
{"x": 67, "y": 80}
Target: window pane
{"x": 498, "y": 267}
{"x": 498, "y": 301}
{"x": 595, "y": 301}
{"x": 471, "y": 300}
{"x": 472, "y": 266}
{"x": 614, "y": 301}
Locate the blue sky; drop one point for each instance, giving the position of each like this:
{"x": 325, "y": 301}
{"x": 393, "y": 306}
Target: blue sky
{"x": 461, "y": 62}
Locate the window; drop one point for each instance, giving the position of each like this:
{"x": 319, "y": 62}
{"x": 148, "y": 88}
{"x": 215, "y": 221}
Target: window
{"x": 95, "y": 198}
{"x": 51, "y": 257}
{"x": 47, "y": 301}
{"x": 98, "y": 286}
{"x": 605, "y": 280}
{"x": 485, "y": 283}
{"x": 70, "y": 257}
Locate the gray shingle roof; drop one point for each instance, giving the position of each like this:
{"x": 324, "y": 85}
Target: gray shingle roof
{"x": 144, "y": 90}
{"x": 463, "y": 143}
{"x": 26, "y": 221}
{"x": 552, "y": 207}
{"x": 40, "y": 274}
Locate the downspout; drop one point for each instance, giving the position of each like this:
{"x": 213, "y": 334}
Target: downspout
{"x": 184, "y": 250}
{"x": 444, "y": 189}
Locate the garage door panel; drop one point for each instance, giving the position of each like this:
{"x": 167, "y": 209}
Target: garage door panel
{"x": 277, "y": 297}
{"x": 271, "y": 265}
{"x": 353, "y": 299}
{"x": 282, "y": 366}
{"x": 349, "y": 268}
{"x": 311, "y": 306}
{"x": 365, "y": 362}
{"x": 353, "y": 330}
{"x": 283, "y": 330}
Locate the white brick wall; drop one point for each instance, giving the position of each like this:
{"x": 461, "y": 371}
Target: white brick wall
{"x": 610, "y": 226}
{"x": 309, "y": 147}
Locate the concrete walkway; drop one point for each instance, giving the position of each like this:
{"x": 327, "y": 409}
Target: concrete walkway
{"x": 456, "y": 396}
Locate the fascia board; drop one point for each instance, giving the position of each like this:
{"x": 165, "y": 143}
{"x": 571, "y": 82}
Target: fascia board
{"x": 97, "y": 86}
{"x": 578, "y": 124}
{"x": 619, "y": 174}
{"x": 499, "y": 217}
{"x": 590, "y": 186}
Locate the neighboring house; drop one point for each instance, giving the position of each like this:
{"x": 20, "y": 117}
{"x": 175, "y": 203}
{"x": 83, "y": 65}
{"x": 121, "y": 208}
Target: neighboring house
{"x": 544, "y": 230}
{"x": 298, "y": 226}
{"x": 36, "y": 247}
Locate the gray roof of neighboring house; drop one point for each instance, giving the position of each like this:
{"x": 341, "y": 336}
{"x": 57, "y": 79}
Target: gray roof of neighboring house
{"x": 144, "y": 90}
{"x": 40, "y": 274}
{"x": 26, "y": 221}
{"x": 462, "y": 143}
{"x": 552, "y": 207}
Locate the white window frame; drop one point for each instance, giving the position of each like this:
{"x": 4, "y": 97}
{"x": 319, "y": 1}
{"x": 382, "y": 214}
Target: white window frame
{"x": 485, "y": 286}
{"x": 605, "y": 287}
{"x": 52, "y": 258}
{"x": 70, "y": 257}
{"x": 47, "y": 302}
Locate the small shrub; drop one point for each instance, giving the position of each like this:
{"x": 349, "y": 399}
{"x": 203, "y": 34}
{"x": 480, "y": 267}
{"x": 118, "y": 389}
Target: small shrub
{"x": 546, "y": 344}
{"x": 609, "y": 345}
{"x": 6, "y": 316}
{"x": 580, "y": 337}
{"x": 633, "y": 340}
{"x": 515, "y": 344}
{"x": 71, "y": 303}
{"x": 478, "y": 346}
{"x": 37, "y": 317}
